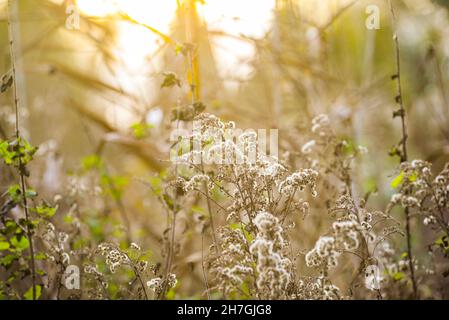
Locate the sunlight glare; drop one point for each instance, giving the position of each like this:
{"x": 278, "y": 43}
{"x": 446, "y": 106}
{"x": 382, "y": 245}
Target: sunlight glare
{"x": 250, "y": 18}
{"x": 97, "y": 8}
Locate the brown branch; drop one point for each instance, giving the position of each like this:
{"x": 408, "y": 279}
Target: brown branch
{"x": 403, "y": 143}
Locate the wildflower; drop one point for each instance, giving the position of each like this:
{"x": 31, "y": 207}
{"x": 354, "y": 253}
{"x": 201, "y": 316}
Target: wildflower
{"x": 196, "y": 182}
{"x": 141, "y": 266}
{"x": 114, "y": 257}
{"x": 429, "y": 220}
{"x": 299, "y": 180}
{"x": 155, "y": 284}
{"x": 273, "y": 267}
{"x": 324, "y": 254}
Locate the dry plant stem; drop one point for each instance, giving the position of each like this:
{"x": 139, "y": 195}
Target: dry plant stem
{"x": 242, "y": 196}
{"x": 404, "y": 154}
{"x": 120, "y": 206}
{"x": 2, "y": 133}
{"x": 169, "y": 260}
{"x": 29, "y": 235}
{"x": 441, "y": 220}
{"x": 174, "y": 211}
{"x": 367, "y": 257}
{"x": 171, "y": 248}
{"x": 194, "y": 96}
{"x": 21, "y": 167}
{"x": 366, "y": 254}
{"x": 206, "y": 191}
{"x": 211, "y": 218}
{"x": 444, "y": 96}
{"x": 59, "y": 281}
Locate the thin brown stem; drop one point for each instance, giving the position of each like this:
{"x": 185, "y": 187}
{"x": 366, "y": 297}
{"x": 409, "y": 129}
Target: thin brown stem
{"x": 206, "y": 283}
{"x": 142, "y": 284}
{"x": 403, "y": 154}
{"x": 21, "y": 168}
{"x": 194, "y": 92}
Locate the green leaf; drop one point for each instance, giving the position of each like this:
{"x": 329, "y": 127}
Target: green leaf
{"x": 442, "y": 242}
{"x": 7, "y": 260}
{"x": 26, "y": 150}
{"x": 245, "y": 289}
{"x": 45, "y": 211}
{"x": 18, "y": 152}
{"x": 185, "y": 48}
{"x": 398, "y": 276}
{"x": 114, "y": 185}
{"x": 91, "y": 162}
{"x": 5, "y": 154}
{"x": 398, "y": 180}
{"x": 395, "y": 152}
{"x": 40, "y": 256}
{"x": 156, "y": 183}
{"x": 170, "y": 79}
{"x": 178, "y": 48}
{"x": 29, "y": 294}
{"x": 248, "y": 236}
{"x": 14, "y": 193}
{"x": 413, "y": 177}
{"x": 168, "y": 201}
{"x": 170, "y": 294}
{"x": 141, "y": 130}
{"x": 6, "y": 82}
{"x": 234, "y": 226}
{"x": 40, "y": 272}
{"x": 20, "y": 242}
{"x": 68, "y": 219}
{"x": 198, "y": 209}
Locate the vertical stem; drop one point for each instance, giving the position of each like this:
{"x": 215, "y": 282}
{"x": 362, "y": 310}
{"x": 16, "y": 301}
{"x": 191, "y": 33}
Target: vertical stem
{"x": 29, "y": 235}
{"x": 276, "y": 41}
{"x": 120, "y": 205}
{"x": 21, "y": 166}
{"x": 403, "y": 154}
{"x": 190, "y": 27}
{"x": 142, "y": 284}
{"x": 203, "y": 268}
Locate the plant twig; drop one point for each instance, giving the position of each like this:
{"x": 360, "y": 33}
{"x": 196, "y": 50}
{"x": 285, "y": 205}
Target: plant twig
{"x": 206, "y": 283}
{"x": 21, "y": 168}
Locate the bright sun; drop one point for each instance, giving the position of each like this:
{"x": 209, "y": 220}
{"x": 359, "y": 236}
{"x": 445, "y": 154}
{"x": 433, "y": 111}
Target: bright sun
{"x": 159, "y": 13}
{"x": 155, "y": 12}
{"x": 234, "y": 17}
{"x": 233, "y": 57}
